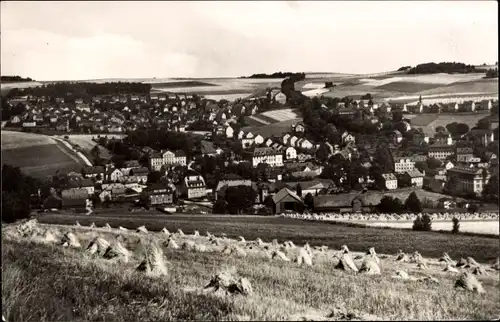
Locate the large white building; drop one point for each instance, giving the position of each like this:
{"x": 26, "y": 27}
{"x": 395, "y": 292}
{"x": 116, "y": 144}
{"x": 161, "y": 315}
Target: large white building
{"x": 403, "y": 164}
{"x": 267, "y": 155}
{"x": 156, "y": 161}
{"x": 469, "y": 179}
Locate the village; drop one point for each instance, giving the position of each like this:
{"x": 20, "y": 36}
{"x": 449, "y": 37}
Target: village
{"x": 207, "y": 162}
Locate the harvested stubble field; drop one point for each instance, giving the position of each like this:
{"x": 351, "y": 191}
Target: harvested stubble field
{"x": 45, "y": 282}
{"x": 429, "y": 122}
{"x": 37, "y": 155}
{"x": 269, "y": 130}
{"x": 386, "y": 240}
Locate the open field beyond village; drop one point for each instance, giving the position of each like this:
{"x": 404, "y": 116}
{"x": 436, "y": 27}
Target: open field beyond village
{"x": 174, "y": 275}
{"x": 38, "y": 155}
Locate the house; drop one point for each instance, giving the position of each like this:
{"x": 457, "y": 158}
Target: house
{"x": 258, "y": 139}
{"x": 463, "y": 154}
{"x": 403, "y": 164}
{"x": 469, "y": 180}
{"x": 446, "y": 203}
{"x": 287, "y": 200}
{"x": 29, "y": 124}
{"x": 347, "y": 202}
{"x": 481, "y": 136}
{"x": 443, "y": 138}
{"x": 229, "y": 180}
{"x": 80, "y": 183}
{"x": 348, "y": 138}
{"x": 93, "y": 172}
{"x": 193, "y": 186}
{"x": 304, "y": 144}
{"x": 298, "y": 128}
{"x": 420, "y": 138}
{"x": 484, "y": 105}
{"x": 114, "y": 175}
{"x": 166, "y": 157}
{"x": 293, "y": 141}
{"x": 398, "y": 137}
{"x": 286, "y": 138}
{"x": 350, "y": 112}
{"x": 228, "y": 131}
{"x": 247, "y": 140}
{"x": 290, "y": 153}
{"x": 448, "y": 165}
{"x": 15, "y": 119}
{"x": 158, "y": 194}
{"x": 280, "y": 98}
{"x": 390, "y": 180}
{"x": 139, "y": 175}
{"x": 414, "y": 177}
{"x": 129, "y": 165}
{"x": 439, "y": 151}
{"x": 267, "y": 155}
{"x": 75, "y": 198}
{"x": 314, "y": 187}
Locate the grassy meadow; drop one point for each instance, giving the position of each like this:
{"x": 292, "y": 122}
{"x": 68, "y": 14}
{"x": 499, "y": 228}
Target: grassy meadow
{"x": 334, "y": 235}
{"x": 46, "y": 282}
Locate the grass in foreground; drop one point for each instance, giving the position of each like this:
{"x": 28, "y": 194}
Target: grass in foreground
{"x": 49, "y": 283}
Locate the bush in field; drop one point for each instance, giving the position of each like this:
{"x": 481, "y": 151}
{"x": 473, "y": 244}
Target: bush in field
{"x": 456, "y": 225}
{"x": 423, "y": 223}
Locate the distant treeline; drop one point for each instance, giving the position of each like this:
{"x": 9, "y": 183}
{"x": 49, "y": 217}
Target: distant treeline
{"x": 15, "y": 79}
{"x": 404, "y": 68}
{"x": 82, "y": 90}
{"x": 450, "y": 68}
{"x": 299, "y": 76}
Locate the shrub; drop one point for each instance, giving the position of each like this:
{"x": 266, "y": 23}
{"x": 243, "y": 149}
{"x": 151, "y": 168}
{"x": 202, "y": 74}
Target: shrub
{"x": 473, "y": 208}
{"x": 422, "y": 223}
{"x": 456, "y": 225}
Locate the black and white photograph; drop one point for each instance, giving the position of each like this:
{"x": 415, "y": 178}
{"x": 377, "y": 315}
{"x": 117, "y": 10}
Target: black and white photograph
{"x": 249, "y": 161}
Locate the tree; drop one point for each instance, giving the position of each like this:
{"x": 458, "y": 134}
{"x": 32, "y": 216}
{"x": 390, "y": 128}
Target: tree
{"x": 423, "y": 223}
{"x": 299, "y": 190}
{"x": 389, "y": 204}
{"x": 239, "y": 198}
{"x": 220, "y": 207}
{"x": 490, "y": 190}
{"x": 440, "y": 129}
{"x": 456, "y": 225}
{"x": 473, "y": 208}
{"x": 413, "y": 204}
{"x": 154, "y": 176}
{"x": 451, "y": 186}
{"x": 433, "y": 163}
{"x": 16, "y": 192}
{"x": 309, "y": 201}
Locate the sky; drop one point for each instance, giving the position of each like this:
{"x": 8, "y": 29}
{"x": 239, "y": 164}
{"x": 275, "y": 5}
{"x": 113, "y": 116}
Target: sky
{"x": 75, "y": 40}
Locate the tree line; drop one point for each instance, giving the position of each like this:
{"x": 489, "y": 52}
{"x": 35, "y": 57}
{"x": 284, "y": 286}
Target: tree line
{"x": 299, "y": 76}
{"x": 15, "y": 79}
{"x": 445, "y": 67}
{"x": 17, "y": 189}
{"x": 82, "y": 89}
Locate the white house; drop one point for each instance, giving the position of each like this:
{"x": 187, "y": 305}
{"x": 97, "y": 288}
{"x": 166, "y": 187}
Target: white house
{"x": 114, "y": 175}
{"x": 267, "y": 155}
{"x": 391, "y": 182}
{"x": 157, "y": 160}
{"x": 293, "y": 141}
{"x": 259, "y": 139}
{"x": 248, "y": 140}
{"x": 269, "y": 142}
{"x": 305, "y": 144}
{"x": 286, "y": 137}
{"x": 229, "y": 131}
{"x": 241, "y": 134}
{"x": 290, "y": 153}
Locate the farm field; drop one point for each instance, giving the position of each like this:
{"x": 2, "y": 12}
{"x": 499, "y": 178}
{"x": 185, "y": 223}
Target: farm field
{"x": 385, "y": 240}
{"x": 68, "y": 284}
{"x": 37, "y": 155}
{"x": 472, "y": 226}
{"x": 429, "y": 122}
{"x": 269, "y": 130}
{"x": 282, "y": 115}
{"x": 85, "y": 142}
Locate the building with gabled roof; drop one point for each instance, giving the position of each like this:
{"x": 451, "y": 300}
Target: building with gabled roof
{"x": 285, "y": 199}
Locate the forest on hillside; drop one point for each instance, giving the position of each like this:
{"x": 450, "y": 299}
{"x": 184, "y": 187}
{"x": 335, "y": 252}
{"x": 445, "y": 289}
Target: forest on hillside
{"x": 297, "y": 76}
{"x": 445, "y": 67}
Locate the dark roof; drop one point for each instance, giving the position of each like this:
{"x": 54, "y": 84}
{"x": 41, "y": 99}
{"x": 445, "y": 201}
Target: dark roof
{"x": 207, "y": 147}
{"x": 139, "y": 171}
{"x": 93, "y": 170}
